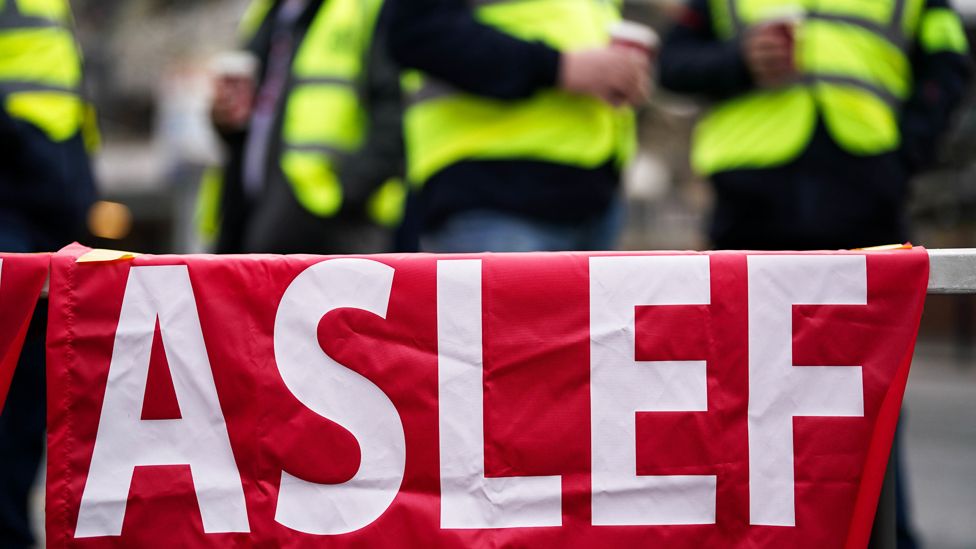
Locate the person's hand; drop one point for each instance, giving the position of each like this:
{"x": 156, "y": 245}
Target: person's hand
{"x": 616, "y": 75}
{"x": 769, "y": 53}
{"x": 232, "y": 103}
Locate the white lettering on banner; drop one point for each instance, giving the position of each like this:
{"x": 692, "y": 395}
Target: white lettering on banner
{"x": 780, "y": 391}
{"x": 468, "y": 498}
{"x": 335, "y": 392}
{"x": 125, "y": 441}
{"x": 621, "y": 386}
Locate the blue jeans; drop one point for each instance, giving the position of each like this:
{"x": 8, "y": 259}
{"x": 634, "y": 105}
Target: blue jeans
{"x": 492, "y": 231}
{"x": 22, "y": 426}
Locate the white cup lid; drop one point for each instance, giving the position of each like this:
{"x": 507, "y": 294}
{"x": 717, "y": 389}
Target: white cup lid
{"x": 235, "y": 63}
{"x": 638, "y": 33}
{"x": 783, "y": 14}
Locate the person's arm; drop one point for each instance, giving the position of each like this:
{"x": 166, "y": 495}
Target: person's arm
{"x": 381, "y": 156}
{"x": 443, "y": 39}
{"x": 942, "y": 70}
{"x": 695, "y": 61}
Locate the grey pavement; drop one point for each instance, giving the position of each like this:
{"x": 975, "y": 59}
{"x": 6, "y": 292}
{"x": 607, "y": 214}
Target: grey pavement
{"x": 940, "y": 447}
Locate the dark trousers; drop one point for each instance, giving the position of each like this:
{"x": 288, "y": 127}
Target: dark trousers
{"x": 23, "y": 419}
{"x": 22, "y": 426}
{"x": 45, "y": 190}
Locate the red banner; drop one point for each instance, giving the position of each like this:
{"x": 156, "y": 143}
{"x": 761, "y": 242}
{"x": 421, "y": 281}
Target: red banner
{"x": 22, "y": 277}
{"x": 514, "y": 400}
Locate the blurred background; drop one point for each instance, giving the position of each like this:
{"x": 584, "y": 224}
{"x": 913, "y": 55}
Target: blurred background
{"x": 148, "y": 72}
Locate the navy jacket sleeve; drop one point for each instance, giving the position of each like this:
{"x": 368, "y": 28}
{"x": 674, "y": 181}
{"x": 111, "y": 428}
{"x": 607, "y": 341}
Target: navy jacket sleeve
{"x": 941, "y": 79}
{"x": 443, "y": 39}
{"x": 694, "y": 61}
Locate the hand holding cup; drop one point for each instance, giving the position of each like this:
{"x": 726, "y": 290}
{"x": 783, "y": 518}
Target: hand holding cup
{"x": 769, "y": 49}
{"x": 234, "y": 88}
{"x": 642, "y": 40}
{"x": 615, "y": 75}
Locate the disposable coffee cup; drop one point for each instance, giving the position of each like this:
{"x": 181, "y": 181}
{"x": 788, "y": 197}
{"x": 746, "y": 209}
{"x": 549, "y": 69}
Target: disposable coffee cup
{"x": 234, "y": 76}
{"x": 632, "y": 35}
{"x": 790, "y": 15}
{"x": 786, "y": 18}
{"x": 787, "y": 21}
{"x": 235, "y": 65}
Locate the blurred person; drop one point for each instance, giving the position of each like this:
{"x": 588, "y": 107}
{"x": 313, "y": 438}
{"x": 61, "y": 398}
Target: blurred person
{"x": 46, "y": 188}
{"x": 518, "y": 123}
{"x": 314, "y": 143}
{"x": 820, "y": 117}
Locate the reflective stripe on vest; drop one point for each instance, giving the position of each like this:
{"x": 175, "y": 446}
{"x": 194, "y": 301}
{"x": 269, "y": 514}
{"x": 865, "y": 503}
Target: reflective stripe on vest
{"x": 855, "y": 74}
{"x": 444, "y": 126}
{"x": 40, "y": 66}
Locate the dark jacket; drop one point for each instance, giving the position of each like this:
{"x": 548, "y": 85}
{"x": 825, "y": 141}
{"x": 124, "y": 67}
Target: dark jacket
{"x": 247, "y": 224}
{"x": 46, "y": 188}
{"x": 826, "y": 198}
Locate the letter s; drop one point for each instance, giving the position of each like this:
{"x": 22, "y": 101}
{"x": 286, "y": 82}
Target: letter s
{"x": 339, "y": 394}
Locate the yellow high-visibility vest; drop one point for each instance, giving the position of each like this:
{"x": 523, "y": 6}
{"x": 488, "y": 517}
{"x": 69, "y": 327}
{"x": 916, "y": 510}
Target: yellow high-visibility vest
{"x": 324, "y": 116}
{"x": 40, "y": 68}
{"x": 855, "y": 74}
{"x": 443, "y": 126}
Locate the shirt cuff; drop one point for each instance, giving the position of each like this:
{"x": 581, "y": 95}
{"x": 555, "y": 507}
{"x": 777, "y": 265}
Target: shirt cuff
{"x": 546, "y": 65}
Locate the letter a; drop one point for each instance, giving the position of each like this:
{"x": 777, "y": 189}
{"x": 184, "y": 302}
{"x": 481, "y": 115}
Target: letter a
{"x": 125, "y": 441}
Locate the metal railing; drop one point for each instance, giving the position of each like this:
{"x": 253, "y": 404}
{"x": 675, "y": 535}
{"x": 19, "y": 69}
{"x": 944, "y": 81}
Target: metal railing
{"x": 952, "y": 271}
